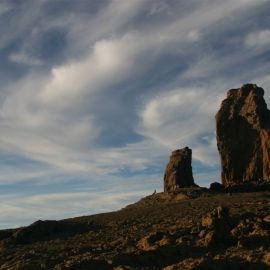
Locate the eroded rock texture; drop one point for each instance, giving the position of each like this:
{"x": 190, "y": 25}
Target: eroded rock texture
{"x": 179, "y": 171}
{"x": 243, "y": 136}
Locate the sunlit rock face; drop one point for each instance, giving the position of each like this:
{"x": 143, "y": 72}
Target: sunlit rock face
{"x": 243, "y": 136}
{"x": 178, "y": 172}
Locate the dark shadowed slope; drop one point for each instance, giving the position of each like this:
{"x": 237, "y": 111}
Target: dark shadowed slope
{"x": 191, "y": 229}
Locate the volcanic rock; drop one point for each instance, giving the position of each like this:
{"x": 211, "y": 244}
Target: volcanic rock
{"x": 216, "y": 226}
{"x": 178, "y": 172}
{"x": 212, "y": 231}
{"x": 243, "y": 136}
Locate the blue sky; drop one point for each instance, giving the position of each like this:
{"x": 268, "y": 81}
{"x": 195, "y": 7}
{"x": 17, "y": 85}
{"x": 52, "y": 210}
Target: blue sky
{"x": 95, "y": 95}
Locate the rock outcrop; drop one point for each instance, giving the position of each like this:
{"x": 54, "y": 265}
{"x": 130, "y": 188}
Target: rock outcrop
{"x": 243, "y": 136}
{"x": 216, "y": 227}
{"x": 178, "y": 172}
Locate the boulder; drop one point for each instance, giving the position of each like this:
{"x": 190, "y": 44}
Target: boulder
{"x": 216, "y": 227}
{"x": 243, "y": 136}
{"x": 178, "y": 173}
{"x": 217, "y": 187}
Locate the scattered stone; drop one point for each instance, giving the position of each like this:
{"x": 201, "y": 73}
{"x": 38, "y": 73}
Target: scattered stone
{"x": 216, "y": 226}
{"x": 202, "y": 233}
{"x": 187, "y": 264}
{"x": 266, "y": 258}
{"x": 28, "y": 266}
{"x": 83, "y": 263}
{"x": 218, "y": 215}
{"x": 267, "y": 219}
{"x": 241, "y": 229}
{"x": 210, "y": 238}
{"x": 243, "y": 136}
{"x": 122, "y": 267}
{"x": 178, "y": 173}
{"x": 153, "y": 241}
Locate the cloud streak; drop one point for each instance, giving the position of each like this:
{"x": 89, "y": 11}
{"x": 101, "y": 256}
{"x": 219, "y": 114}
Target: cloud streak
{"x": 105, "y": 90}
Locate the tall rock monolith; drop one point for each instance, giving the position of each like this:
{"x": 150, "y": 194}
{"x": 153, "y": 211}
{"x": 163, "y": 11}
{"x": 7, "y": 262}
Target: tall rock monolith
{"x": 178, "y": 172}
{"x": 243, "y": 136}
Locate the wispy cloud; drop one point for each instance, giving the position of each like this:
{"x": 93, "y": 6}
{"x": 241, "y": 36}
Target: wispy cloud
{"x": 21, "y": 208}
{"x": 258, "y": 39}
{"x": 181, "y": 117}
{"x": 104, "y": 90}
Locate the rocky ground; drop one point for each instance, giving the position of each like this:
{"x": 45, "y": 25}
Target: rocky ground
{"x": 191, "y": 229}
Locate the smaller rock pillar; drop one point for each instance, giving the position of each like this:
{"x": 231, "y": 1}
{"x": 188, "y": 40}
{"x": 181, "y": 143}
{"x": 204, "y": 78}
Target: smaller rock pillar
{"x": 178, "y": 173}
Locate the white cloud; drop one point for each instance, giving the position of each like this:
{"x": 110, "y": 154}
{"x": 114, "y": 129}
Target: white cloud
{"x": 264, "y": 82}
{"x": 113, "y": 61}
{"x": 4, "y": 8}
{"x": 193, "y": 35}
{"x": 258, "y": 39}
{"x": 47, "y": 119}
{"x": 110, "y": 62}
{"x": 24, "y": 58}
{"x": 159, "y": 7}
{"x": 182, "y": 117}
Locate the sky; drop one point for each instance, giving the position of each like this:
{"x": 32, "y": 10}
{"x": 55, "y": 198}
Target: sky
{"x": 95, "y": 94}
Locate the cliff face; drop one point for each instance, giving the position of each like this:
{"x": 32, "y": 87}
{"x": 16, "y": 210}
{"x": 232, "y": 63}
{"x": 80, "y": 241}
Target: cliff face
{"x": 243, "y": 136}
{"x": 178, "y": 172}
